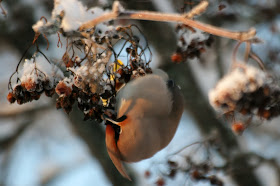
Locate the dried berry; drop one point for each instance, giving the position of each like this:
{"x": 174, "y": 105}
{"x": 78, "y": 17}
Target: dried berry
{"x": 29, "y": 84}
{"x": 36, "y": 96}
{"x": 238, "y": 128}
{"x": 172, "y": 163}
{"x": 10, "y": 97}
{"x": 62, "y": 89}
{"x": 263, "y": 113}
{"x": 221, "y": 7}
{"x": 196, "y": 175}
{"x": 214, "y": 180}
{"x": 50, "y": 92}
{"x": 147, "y": 174}
{"x": 160, "y": 182}
{"x": 17, "y": 92}
{"x": 177, "y": 58}
{"x": 172, "y": 173}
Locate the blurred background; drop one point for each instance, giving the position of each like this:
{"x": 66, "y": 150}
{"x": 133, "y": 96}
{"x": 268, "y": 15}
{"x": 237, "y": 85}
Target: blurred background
{"x": 40, "y": 145}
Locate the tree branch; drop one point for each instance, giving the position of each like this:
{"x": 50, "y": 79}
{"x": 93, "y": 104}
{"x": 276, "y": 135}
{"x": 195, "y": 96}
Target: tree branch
{"x": 23, "y": 110}
{"x": 118, "y": 13}
{"x": 2, "y": 9}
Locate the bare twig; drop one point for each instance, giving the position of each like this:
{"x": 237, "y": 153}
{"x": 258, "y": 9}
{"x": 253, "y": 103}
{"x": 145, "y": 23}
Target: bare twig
{"x": 118, "y": 13}
{"x": 197, "y": 10}
{"x": 2, "y": 9}
{"x": 248, "y": 53}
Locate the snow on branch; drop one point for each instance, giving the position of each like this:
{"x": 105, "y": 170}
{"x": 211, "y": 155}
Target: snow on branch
{"x": 119, "y": 13}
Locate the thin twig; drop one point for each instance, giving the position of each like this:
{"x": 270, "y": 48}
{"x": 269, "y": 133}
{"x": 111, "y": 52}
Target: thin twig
{"x": 258, "y": 60}
{"x": 165, "y": 17}
{"x": 2, "y": 9}
{"x": 247, "y": 51}
{"x": 185, "y": 147}
{"x": 234, "y": 61}
{"x": 59, "y": 41}
{"x": 16, "y": 71}
{"x": 197, "y": 10}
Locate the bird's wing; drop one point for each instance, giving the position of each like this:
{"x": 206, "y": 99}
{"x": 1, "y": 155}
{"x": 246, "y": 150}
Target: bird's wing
{"x": 151, "y": 89}
{"x": 114, "y": 152}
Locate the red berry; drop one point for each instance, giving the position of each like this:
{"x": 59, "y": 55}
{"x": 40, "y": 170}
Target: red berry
{"x": 264, "y": 113}
{"x": 147, "y": 174}
{"x": 10, "y": 97}
{"x": 238, "y": 127}
{"x": 160, "y": 182}
{"x": 62, "y": 88}
{"x": 196, "y": 175}
{"x": 29, "y": 84}
{"x": 177, "y": 58}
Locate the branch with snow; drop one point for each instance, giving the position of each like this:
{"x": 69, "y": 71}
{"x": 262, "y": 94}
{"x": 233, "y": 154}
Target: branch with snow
{"x": 72, "y": 17}
{"x": 119, "y": 13}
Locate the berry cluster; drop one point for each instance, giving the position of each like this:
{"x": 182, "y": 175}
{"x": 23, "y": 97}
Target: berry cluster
{"x": 238, "y": 127}
{"x": 94, "y": 73}
{"x": 212, "y": 179}
{"x": 89, "y": 103}
{"x": 202, "y": 170}
{"x": 37, "y": 76}
{"x": 248, "y": 91}
{"x": 191, "y": 43}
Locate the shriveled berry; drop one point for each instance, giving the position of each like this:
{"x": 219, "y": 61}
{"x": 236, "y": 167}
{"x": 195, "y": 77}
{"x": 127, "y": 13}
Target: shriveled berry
{"x": 10, "y": 97}
{"x": 30, "y": 85}
{"x": 147, "y": 174}
{"x": 196, "y": 175}
{"x": 263, "y": 113}
{"x": 160, "y": 182}
{"x": 58, "y": 104}
{"x": 238, "y": 127}
{"x": 50, "y": 92}
{"x": 62, "y": 88}
{"x": 36, "y": 97}
{"x": 177, "y": 58}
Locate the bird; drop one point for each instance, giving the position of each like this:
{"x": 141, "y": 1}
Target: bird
{"x": 149, "y": 109}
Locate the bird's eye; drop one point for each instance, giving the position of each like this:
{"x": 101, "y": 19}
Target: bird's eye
{"x": 170, "y": 83}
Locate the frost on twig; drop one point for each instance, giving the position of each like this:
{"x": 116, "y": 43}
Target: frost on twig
{"x": 51, "y": 27}
{"x": 81, "y": 18}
